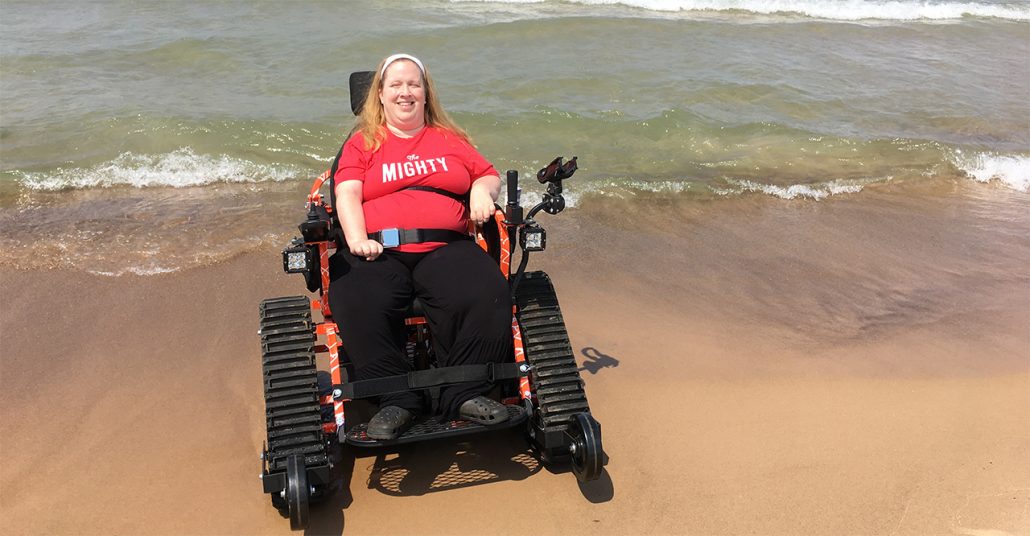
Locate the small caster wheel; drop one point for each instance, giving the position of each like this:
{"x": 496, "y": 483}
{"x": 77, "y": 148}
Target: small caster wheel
{"x": 585, "y": 451}
{"x": 297, "y": 492}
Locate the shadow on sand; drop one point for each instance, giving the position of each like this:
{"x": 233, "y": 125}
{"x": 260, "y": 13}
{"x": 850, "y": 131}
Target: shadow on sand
{"x": 595, "y": 361}
{"x": 445, "y": 465}
{"x": 430, "y": 467}
{"x": 413, "y": 470}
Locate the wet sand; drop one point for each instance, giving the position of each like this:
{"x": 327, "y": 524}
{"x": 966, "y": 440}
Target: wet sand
{"x": 853, "y": 366}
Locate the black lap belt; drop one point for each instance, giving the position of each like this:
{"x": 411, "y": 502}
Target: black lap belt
{"x": 424, "y": 379}
{"x": 391, "y": 238}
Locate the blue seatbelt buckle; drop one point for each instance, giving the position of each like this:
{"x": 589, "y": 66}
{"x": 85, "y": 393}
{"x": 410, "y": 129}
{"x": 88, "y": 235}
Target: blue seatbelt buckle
{"x": 391, "y": 237}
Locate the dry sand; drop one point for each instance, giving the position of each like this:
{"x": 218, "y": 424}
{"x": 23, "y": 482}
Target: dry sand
{"x": 132, "y": 405}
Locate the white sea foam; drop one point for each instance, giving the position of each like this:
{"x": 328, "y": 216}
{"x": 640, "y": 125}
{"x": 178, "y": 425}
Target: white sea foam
{"x": 622, "y": 188}
{"x": 845, "y": 10}
{"x": 135, "y": 270}
{"x": 616, "y": 188}
{"x": 1011, "y": 170}
{"x": 178, "y": 169}
{"x": 530, "y": 198}
{"x": 793, "y": 191}
{"x": 630, "y": 189}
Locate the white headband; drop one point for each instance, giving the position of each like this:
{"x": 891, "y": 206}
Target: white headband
{"x": 396, "y": 57}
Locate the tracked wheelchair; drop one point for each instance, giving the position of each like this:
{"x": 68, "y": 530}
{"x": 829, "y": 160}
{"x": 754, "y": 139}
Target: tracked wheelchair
{"x": 309, "y": 422}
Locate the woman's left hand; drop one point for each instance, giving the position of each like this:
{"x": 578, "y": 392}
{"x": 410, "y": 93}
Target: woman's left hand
{"x": 481, "y": 207}
{"x": 481, "y": 198}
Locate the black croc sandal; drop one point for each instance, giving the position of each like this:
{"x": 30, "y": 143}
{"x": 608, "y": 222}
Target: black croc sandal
{"x": 483, "y": 410}
{"x": 389, "y": 423}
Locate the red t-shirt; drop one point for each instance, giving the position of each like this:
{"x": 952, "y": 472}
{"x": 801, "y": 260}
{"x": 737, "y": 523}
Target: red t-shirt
{"x": 433, "y": 157}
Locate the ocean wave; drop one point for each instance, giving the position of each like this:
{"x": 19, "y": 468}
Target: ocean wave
{"x": 1011, "y": 170}
{"x": 118, "y": 252}
{"x": 613, "y": 188}
{"x": 631, "y": 189}
{"x": 529, "y": 199}
{"x": 178, "y": 169}
{"x": 842, "y": 10}
{"x": 794, "y": 191}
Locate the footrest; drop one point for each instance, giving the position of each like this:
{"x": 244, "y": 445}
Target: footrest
{"x": 431, "y": 428}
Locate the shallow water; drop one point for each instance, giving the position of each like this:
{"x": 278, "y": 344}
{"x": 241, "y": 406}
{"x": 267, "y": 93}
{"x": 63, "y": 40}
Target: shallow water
{"x": 147, "y": 138}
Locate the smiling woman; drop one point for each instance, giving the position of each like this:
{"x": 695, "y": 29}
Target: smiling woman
{"x": 403, "y": 96}
{"x": 409, "y": 172}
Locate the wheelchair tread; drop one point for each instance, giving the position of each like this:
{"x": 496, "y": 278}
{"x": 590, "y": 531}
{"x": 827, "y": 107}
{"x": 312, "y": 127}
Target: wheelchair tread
{"x": 555, "y": 378}
{"x": 293, "y": 413}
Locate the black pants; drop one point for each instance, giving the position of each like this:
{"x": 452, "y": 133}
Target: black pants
{"x": 465, "y": 299}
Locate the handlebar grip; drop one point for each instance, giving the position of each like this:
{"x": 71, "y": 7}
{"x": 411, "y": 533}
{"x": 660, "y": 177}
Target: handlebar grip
{"x": 513, "y": 186}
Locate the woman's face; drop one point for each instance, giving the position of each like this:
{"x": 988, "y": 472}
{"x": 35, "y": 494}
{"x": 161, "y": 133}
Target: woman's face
{"x": 403, "y": 95}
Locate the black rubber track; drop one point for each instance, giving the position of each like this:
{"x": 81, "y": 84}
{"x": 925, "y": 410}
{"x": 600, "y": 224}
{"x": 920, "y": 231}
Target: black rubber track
{"x": 292, "y": 410}
{"x": 555, "y": 378}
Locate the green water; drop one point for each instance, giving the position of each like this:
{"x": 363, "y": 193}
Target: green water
{"x": 205, "y": 105}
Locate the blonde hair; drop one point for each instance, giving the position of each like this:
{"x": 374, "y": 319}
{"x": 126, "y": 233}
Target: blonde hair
{"x": 372, "y": 121}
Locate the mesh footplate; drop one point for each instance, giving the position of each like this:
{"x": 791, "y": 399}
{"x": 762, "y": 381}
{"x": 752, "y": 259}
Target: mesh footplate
{"x": 431, "y": 428}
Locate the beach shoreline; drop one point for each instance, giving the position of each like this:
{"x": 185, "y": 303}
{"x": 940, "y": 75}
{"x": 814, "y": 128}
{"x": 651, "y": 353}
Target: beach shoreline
{"x": 133, "y": 404}
{"x": 793, "y": 263}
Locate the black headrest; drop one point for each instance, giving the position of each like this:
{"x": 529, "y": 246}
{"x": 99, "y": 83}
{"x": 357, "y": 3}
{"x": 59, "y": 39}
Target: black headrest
{"x": 360, "y": 82}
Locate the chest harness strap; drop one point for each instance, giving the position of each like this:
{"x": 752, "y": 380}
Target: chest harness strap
{"x": 461, "y": 198}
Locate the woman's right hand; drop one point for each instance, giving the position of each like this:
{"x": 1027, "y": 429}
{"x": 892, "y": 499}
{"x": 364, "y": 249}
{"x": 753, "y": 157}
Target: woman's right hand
{"x": 369, "y": 249}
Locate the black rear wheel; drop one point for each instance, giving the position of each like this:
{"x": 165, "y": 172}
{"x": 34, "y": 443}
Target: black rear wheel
{"x": 297, "y": 492}
{"x": 585, "y": 447}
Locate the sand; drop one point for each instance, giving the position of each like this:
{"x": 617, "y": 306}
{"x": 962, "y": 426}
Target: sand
{"x": 735, "y": 397}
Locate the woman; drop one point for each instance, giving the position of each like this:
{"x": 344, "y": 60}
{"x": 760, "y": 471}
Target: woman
{"x": 400, "y": 184}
